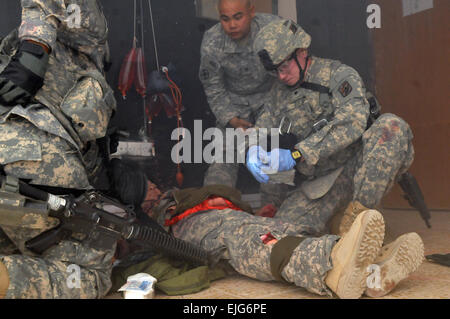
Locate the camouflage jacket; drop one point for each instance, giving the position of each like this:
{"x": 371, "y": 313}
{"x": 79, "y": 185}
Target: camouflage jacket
{"x": 343, "y": 114}
{"x": 233, "y": 78}
{"x": 75, "y": 102}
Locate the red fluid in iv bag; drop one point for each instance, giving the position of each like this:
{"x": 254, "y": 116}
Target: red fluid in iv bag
{"x": 141, "y": 73}
{"x": 169, "y": 105}
{"x": 179, "y": 177}
{"x": 154, "y": 105}
{"x": 127, "y": 72}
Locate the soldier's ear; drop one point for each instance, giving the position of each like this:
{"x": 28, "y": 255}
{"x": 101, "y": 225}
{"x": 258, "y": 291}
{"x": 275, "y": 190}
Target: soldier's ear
{"x": 252, "y": 11}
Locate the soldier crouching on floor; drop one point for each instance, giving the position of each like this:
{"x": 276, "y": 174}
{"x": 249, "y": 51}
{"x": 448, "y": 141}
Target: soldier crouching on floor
{"x": 54, "y": 105}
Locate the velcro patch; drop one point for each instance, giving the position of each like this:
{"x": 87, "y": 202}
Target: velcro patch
{"x": 345, "y": 89}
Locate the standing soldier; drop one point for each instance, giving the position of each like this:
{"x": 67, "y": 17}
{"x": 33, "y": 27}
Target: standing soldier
{"x": 233, "y": 78}
{"x": 54, "y": 105}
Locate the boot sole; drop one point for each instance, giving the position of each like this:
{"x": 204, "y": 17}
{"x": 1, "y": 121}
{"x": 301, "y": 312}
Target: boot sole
{"x": 353, "y": 279}
{"x": 404, "y": 259}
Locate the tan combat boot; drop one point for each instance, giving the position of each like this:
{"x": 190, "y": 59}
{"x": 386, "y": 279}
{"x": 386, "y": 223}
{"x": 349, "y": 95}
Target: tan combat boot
{"x": 341, "y": 222}
{"x": 397, "y": 261}
{"x": 4, "y": 280}
{"x": 353, "y": 253}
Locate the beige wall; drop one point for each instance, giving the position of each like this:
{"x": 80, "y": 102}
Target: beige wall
{"x": 263, "y": 6}
{"x": 288, "y": 9}
{"x": 208, "y": 8}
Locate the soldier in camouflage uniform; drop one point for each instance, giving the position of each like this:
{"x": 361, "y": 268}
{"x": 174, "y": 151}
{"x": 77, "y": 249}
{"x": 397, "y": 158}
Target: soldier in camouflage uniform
{"x": 345, "y": 164}
{"x": 54, "y": 105}
{"x": 233, "y": 78}
{"x": 215, "y": 218}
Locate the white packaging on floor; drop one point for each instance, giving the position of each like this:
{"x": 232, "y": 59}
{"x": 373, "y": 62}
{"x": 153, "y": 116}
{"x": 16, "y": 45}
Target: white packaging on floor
{"x": 139, "y": 286}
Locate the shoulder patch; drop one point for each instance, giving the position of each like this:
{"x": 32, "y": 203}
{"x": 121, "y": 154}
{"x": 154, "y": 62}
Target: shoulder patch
{"x": 345, "y": 89}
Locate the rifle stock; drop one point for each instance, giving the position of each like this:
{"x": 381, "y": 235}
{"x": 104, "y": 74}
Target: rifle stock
{"x": 414, "y": 196}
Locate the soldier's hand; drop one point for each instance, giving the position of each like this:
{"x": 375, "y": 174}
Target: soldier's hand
{"x": 281, "y": 160}
{"x": 24, "y": 75}
{"x": 257, "y": 159}
{"x": 240, "y": 123}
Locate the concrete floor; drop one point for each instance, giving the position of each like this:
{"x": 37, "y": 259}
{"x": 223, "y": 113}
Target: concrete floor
{"x": 430, "y": 281}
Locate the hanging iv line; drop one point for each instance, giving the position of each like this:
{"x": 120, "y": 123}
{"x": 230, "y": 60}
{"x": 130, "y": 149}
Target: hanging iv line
{"x": 154, "y": 35}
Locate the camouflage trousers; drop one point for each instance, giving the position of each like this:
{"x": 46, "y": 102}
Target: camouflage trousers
{"x": 69, "y": 270}
{"x": 386, "y": 153}
{"x": 242, "y": 236}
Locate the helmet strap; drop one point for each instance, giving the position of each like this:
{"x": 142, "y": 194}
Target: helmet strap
{"x": 302, "y": 71}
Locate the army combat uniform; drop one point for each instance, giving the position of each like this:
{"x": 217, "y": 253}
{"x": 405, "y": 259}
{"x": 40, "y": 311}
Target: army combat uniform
{"x": 343, "y": 158}
{"x": 246, "y": 241}
{"x": 249, "y": 247}
{"x": 236, "y": 85}
{"x": 215, "y": 218}
{"x": 52, "y": 141}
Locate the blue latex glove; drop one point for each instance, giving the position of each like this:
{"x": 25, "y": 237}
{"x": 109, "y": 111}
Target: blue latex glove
{"x": 281, "y": 160}
{"x": 257, "y": 158}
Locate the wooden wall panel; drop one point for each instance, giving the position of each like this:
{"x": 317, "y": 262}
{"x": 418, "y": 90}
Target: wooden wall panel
{"x": 412, "y": 75}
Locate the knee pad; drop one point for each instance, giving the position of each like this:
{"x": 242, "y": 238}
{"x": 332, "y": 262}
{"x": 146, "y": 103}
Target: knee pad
{"x": 4, "y": 280}
{"x": 281, "y": 255}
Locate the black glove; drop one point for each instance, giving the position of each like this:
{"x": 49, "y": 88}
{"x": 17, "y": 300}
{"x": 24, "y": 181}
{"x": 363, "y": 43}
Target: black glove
{"x": 24, "y": 75}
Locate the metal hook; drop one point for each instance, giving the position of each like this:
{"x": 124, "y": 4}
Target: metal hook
{"x": 280, "y": 129}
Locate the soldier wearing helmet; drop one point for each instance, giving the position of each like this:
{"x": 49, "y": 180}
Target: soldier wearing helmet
{"x": 344, "y": 164}
{"x": 54, "y": 106}
{"x": 276, "y": 55}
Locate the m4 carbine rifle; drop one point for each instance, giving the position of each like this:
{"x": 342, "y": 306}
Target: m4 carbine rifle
{"x": 102, "y": 221}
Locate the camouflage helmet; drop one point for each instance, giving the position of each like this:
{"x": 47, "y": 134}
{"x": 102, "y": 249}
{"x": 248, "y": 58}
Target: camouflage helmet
{"x": 278, "y": 40}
